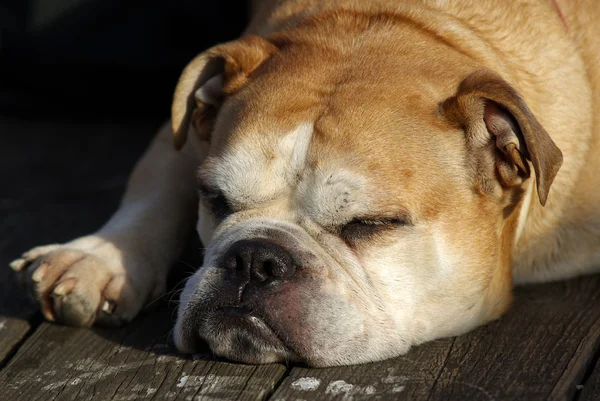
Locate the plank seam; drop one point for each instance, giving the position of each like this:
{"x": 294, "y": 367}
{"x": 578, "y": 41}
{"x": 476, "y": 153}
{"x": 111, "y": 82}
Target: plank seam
{"x": 588, "y": 373}
{"x": 441, "y": 369}
{"x": 162, "y": 381}
{"x": 278, "y": 383}
{"x": 83, "y": 386}
{"x": 34, "y": 324}
{"x": 247, "y": 381}
{"x": 69, "y": 375}
{"x": 587, "y": 367}
{"x": 142, "y": 363}
{"x": 112, "y": 353}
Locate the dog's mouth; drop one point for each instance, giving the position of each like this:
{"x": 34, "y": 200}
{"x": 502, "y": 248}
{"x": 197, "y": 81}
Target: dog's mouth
{"x": 237, "y": 333}
{"x": 253, "y": 325}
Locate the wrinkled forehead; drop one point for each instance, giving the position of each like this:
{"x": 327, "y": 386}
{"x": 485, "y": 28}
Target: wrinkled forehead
{"x": 333, "y": 135}
{"x": 258, "y": 163}
{"x": 333, "y": 169}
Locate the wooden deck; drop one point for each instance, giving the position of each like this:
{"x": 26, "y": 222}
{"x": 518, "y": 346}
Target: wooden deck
{"x": 62, "y": 180}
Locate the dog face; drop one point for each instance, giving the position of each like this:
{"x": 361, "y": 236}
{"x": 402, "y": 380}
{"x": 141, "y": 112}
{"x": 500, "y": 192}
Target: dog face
{"x": 351, "y": 206}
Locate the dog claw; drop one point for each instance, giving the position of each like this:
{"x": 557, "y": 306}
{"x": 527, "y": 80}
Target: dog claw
{"x": 17, "y": 265}
{"x": 39, "y": 274}
{"x": 108, "y": 307}
{"x": 64, "y": 287}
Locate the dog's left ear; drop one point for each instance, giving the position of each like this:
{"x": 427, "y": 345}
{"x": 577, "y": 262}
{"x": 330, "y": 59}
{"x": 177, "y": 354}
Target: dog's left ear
{"x": 488, "y": 108}
{"x": 209, "y": 78}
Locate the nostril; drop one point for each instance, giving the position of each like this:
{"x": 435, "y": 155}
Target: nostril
{"x": 272, "y": 262}
{"x": 269, "y": 267}
{"x": 238, "y": 258}
{"x": 239, "y": 262}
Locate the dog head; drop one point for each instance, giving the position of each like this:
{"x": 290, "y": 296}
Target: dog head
{"x": 352, "y": 204}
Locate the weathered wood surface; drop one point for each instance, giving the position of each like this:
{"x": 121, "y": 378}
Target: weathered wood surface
{"x": 538, "y": 351}
{"x": 133, "y": 363}
{"x": 12, "y": 331}
{"x": 590, "y": 391}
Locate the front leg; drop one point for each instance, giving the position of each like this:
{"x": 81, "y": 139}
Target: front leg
{"x": 107, "y": 277}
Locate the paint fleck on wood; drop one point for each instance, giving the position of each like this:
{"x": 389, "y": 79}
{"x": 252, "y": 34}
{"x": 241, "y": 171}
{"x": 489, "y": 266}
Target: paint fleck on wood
{"x": 306, "y": 384}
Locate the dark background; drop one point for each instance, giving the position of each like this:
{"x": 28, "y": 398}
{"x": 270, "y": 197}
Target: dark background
{"x": 109, "y": 59}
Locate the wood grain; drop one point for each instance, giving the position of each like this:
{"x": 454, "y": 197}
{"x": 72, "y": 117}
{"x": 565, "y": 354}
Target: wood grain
{"x": 132, "y": 363}
{"x": 12, "y": 331}
{"x": 590, "y": 389}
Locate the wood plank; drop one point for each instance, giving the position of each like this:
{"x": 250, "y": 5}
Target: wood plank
{"x": 132, "y": 363}
{"x": 16, "y": 310}
{"x": 538, "y": 351}
{"x": 590, "y": 388}
{"x": 12, "y": 331}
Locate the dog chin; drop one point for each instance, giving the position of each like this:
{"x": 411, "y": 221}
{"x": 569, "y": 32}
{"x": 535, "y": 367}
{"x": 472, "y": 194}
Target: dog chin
{"x": 236, "y": 333}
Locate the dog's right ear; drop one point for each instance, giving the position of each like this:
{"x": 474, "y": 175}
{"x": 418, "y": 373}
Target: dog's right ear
{"x": 209, "y": 78}
{"x": 493, "y": 113}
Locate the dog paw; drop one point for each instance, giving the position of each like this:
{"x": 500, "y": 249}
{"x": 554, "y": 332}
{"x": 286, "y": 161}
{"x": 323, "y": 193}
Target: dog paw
{"x": 80, "y": 287}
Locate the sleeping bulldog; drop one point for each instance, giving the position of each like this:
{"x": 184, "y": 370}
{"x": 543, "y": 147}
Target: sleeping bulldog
{"x": 365, "y": 176}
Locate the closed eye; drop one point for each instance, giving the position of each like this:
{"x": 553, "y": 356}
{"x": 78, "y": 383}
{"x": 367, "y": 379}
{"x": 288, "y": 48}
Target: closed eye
{"x": 360, "y": 229}
{"x": 215, "y": 201}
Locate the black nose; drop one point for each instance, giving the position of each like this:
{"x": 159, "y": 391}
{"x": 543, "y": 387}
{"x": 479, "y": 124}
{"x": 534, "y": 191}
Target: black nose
{"x": 259, "y": 260}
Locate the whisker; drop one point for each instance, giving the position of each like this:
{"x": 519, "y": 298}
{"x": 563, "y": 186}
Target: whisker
{"x": 173, "y": 294}
{"x": 167, "y": 293}
{"x": 189, "y": 265}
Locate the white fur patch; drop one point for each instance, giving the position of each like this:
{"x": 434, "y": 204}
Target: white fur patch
{"x": 250, "y": 175}
{"x": 524, "y": 212}
{"x": 332, "y": 197}
{"x": 205, "y": 225}
{"x": 446, "y": 258}
{"x": 295, "y": 144}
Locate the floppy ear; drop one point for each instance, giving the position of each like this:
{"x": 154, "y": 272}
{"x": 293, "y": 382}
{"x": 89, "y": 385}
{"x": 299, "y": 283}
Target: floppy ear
{"x": 209, "y": 78}
{"x": 489, "y": 109}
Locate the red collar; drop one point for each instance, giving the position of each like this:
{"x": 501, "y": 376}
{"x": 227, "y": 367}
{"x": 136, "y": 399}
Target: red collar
{"x": 560, "y": 14}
